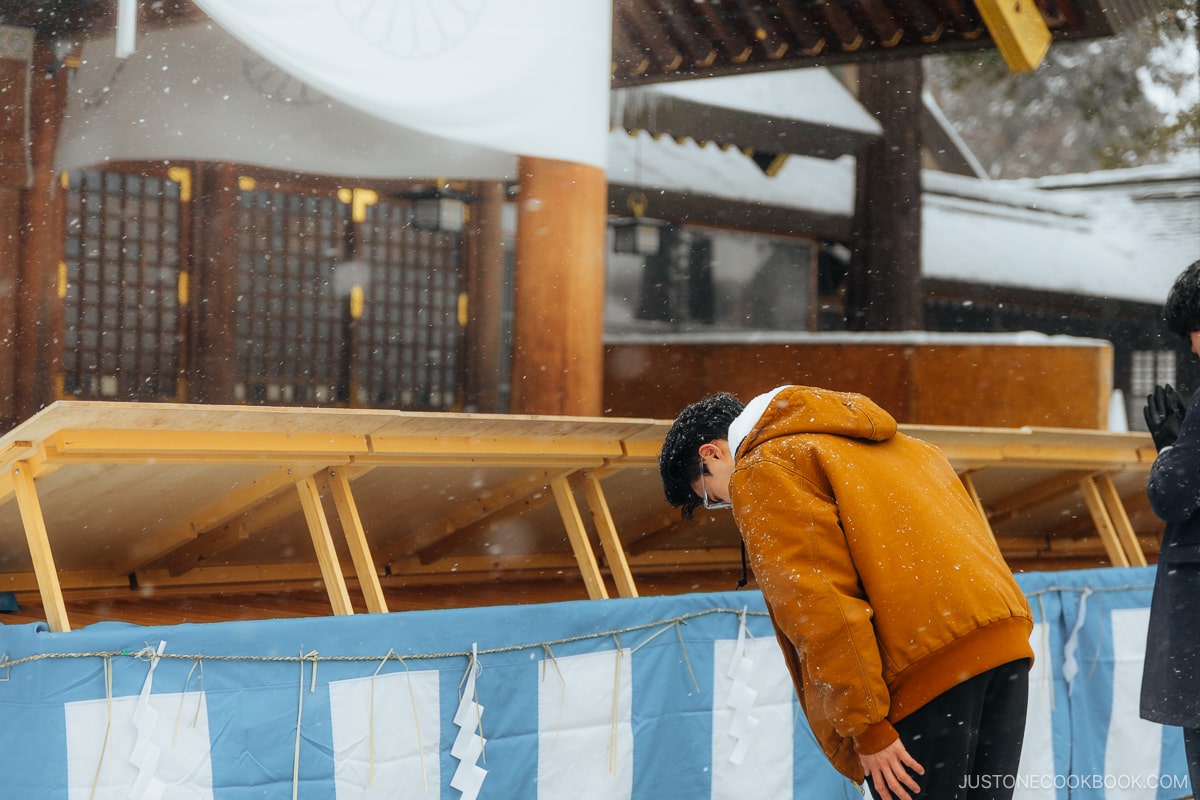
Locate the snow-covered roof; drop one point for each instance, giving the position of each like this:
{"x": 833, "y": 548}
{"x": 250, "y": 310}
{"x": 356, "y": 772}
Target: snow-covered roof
{"x": 812, "y": 184}
{"x": 810, "y": 95}
{"x": 1119, "y": 234}
{"x": 1123, "y": 234}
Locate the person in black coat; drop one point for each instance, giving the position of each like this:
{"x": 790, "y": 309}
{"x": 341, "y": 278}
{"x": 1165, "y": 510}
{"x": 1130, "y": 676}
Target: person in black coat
{"x": 1171, "y": 674}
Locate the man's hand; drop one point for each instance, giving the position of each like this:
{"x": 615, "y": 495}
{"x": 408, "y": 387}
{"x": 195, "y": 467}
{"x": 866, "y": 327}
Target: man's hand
{"x": 888, "y": 771}
{"x": 1164, "y": 414}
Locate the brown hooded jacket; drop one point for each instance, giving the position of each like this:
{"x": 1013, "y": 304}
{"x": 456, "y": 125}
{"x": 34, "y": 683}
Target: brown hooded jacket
{"x": 885, "y": 586}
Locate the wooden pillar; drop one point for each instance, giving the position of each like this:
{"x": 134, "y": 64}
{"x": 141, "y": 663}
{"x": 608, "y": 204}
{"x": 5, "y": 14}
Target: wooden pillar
{"x": 214, "y": 283}
{"x": 558, "y": 348}
{"x": 884, "y": 289}
{"x": 10, "y": 254}
{"x": 485, "y": 299}
{"x": 39, "y": 312}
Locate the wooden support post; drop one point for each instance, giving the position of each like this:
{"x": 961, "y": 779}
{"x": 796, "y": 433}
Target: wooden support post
{"x": 618, "y": 564}
{"x": 558, "y": 329}
{"x": 883, "y": 290}
{"x": 214, "y": 309}
{"x": 1116, "y": 512}
{"x": 318, "y": 527}
{"x": 578, "y": 537}
{"x": 356, "y": 538}
{"x": 39, "y": 324}
{"x": 39, "y": 547}
{"x": 1104, "y": 524}
{"x": 486, "y": 290}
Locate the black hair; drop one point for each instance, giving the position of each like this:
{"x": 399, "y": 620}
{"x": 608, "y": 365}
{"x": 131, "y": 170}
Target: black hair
{"x": 1182, "y": 309}
{"x": 679, "y": 460}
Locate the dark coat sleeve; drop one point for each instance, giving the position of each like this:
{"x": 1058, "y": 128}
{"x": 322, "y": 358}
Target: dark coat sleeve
{"x": 1174, "y": 485}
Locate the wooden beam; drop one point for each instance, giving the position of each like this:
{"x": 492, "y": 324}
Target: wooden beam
{"x": 394, "y": 448}
{"x": 652, "y": 528}
{"x": 1022, "y": 502}
{"x": 1020, "y": 32}
{"x": 39, "y": 547}
{"x": 618, "y": 565}
{"x": 318, "y": 527}
{"x": 206, "y": 447}
{"x": 667, "y": 560}
{"x": 204, "y": 547}
{"x": 356, "y": 538}
{"x": 1120, "y": 520}
{"x": 430, "y": 542}
{"x": 577, "y": 534}
{"x": 969, "y": 483}
{"x": 485, "y": 304}
{"x": 200, "y": 536}
{"x": 1104, "y": 523}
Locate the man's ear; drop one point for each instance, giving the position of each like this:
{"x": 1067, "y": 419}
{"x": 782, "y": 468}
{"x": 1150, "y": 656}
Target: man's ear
{"x": 710, "y": 450}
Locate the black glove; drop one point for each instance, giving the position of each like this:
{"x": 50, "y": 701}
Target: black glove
{"x": 1164, "y": 413}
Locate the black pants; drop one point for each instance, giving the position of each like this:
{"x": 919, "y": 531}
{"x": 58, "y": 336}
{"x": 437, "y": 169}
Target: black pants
{"x": 969, "y": 738}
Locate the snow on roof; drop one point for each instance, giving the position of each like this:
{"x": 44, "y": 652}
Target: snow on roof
{"x": 809, "y": 95}
{"x": 1121, "y": 234}
{"x": 811, "y": 184}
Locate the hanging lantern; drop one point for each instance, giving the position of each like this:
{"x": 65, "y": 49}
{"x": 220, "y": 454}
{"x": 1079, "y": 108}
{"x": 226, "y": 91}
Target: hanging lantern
{"x": 439, "y": 209}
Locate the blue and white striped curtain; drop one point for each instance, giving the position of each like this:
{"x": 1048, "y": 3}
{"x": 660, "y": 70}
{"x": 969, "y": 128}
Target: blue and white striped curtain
{"x": 653, "y": 697}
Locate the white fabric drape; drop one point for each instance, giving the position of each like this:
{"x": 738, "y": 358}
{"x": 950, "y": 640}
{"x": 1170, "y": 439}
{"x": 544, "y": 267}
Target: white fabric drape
{"x": 522, "y": 76}
{"x": 379, "y": 88}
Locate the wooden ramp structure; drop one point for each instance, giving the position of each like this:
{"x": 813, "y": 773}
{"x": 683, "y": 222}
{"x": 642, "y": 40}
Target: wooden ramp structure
{"x": 167, "y": 513}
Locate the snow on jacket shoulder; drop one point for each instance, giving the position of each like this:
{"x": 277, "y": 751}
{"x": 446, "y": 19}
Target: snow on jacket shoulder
{"x": 884, "y": 584}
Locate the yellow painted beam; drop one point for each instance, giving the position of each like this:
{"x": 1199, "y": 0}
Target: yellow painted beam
{"x": 1116, "y": 512}
{"x": 1104, "y": 524}
{"x": 318, "y": 527}
{"x": 39, "y": 547}
{"x": 618, "y": 565}
{"x": 1019, "y": 31}
{"x": 577, "y": 534}
{"x": 356, "y": 538}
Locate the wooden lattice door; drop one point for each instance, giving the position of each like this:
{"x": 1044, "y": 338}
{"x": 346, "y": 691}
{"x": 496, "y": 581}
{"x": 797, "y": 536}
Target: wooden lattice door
{"x": 123, "y": 285}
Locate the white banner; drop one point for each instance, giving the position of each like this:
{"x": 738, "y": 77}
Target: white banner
{"x": 403, "y": 88}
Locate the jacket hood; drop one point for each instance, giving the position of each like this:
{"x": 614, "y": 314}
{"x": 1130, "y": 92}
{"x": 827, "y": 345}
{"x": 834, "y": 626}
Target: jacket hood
{"x": 794, "y": 410}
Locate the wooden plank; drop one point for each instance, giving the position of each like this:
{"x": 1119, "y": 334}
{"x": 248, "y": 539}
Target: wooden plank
{"x": 166, "y": 543}
{"x": 39, "y": 547}
{"x": 204, "y": 547}
{"x": 1020, "y": 32}
{"x": 318, "y": 527}
{"x": 483, "y": 447}
{"x": 1116, "y": 512}
{"x": 431, "y": 541}
{"x": 1055, "y": 488}
{"x": 618, "y": 565}
{"x": 356, "y": 538}
{"x": 1104, "y": 524}
{"x": 577, "y": 534}
{"x": 211, "y": 446}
